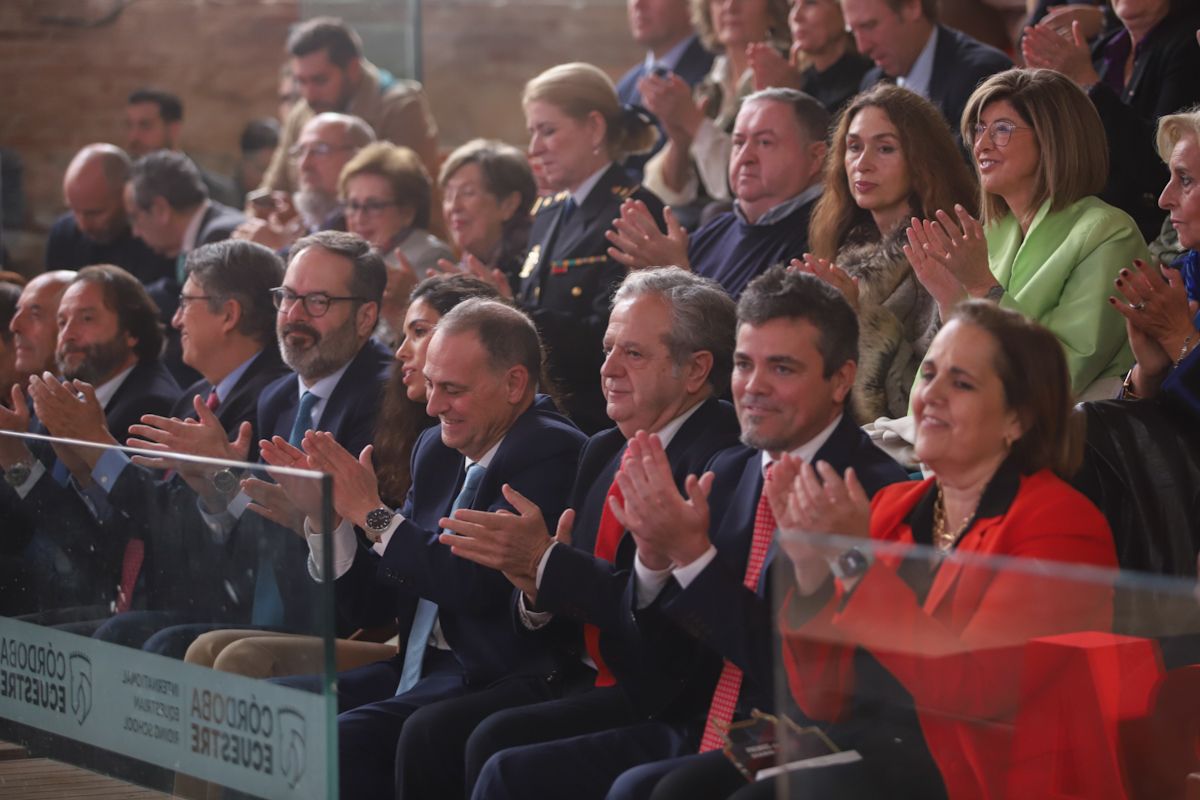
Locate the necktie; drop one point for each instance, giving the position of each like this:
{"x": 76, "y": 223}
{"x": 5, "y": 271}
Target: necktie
{"x": 304, "y": 419}
{"x": 180, "y": 268}
{"x": 426, "y": 613}
{"x": 568, "y": 210}
{"x": 268, "y": 602}
{"x": 608, "y": 536}
{"x": 212, "y": 401}
{"x": 730, "y": 683}
{"x": 131, "y": 565}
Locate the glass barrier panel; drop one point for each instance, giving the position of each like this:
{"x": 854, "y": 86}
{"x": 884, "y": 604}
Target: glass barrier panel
{"x": 912, "y": 672}
{"x": 162, "y": 621}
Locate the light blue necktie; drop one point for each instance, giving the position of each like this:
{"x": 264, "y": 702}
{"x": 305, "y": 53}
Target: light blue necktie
{"x": 268, "y": 602}
{"x": 426, "y": 613}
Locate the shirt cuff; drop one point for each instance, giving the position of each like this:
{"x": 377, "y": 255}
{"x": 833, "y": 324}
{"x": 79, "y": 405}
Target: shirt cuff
{"x": 36, "y": 471}
{"x": 685, "y": 575}
{"x": 344, "y": 546}
{"x": 541, "y": 569}
{"x": 385, "y": 537}
{"x": 648, "y": 582}
{"x": 109, "y": 466}
{"x": 532, "y": 620}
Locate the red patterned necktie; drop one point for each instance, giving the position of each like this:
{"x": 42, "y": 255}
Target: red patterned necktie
{"x": 212, "y": 401}
{"x": 131, "y": 565}
{"x": 725, "y": 696}
{"x": 608, "y": 536}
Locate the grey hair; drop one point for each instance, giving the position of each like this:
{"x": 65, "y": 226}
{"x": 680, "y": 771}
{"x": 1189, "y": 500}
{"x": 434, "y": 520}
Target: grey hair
{"x": 703, "y": 316}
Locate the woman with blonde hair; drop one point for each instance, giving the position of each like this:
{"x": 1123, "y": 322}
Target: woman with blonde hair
{"x": 1046, "y": 245}
{"x": 876, "y": 179}
{"x": 578, "y": 134}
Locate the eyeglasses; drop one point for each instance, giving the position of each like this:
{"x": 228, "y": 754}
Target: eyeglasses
{"x": 1001, "y": 131}
{"x": 368, "y": 207}
{"x": 184, "y": 299}
{"x": 321, "y": 149}
{"x": 316, "y": 304}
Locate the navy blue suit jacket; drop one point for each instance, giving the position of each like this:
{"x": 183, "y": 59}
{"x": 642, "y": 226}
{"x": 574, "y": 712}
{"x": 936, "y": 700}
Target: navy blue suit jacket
{"x": 76, "y": 558}
{"x": 537, "y": 457}
{"x": 577, "y": 584}
{"x": 693, "y": 66}
{"x": 959, "y": 64}
{"x": 349, "y": 414}
{"x": 734, "y": 622}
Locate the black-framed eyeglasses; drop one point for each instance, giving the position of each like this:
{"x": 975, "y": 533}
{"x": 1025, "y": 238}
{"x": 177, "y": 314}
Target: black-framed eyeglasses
{"x": 316, "y": 304}
{"x": 184, "y": 299}
{"x": 369, "y": 207}
{"x": 322, "y": 149}
{"x": 1001, "y": 131}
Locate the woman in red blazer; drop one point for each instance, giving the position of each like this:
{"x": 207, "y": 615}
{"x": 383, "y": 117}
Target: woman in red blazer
{"x": 992, "y": 409}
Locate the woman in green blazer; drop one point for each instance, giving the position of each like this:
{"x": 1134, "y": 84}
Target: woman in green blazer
{"x": 1046, "y": 246}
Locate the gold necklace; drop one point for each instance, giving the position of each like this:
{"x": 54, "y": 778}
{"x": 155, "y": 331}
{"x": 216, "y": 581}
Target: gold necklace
{"x": 944, "y": 539}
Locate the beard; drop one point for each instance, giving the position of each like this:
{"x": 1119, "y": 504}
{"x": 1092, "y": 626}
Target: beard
{"x": 323, "y": 355}
{"x": 100, "y": 361}
{"x": 315, "y": 207}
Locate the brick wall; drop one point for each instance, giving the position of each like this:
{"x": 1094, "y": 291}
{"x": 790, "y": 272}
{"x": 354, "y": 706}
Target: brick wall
{"x": 66, "y": 67}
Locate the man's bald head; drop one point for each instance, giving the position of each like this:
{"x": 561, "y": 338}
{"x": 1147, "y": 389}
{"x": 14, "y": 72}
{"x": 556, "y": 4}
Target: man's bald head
{"x": 92, "y": 189}
{"x": 35, "y": 325}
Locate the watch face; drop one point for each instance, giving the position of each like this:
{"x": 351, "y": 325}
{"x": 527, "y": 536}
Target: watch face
{"x": 225, "y": 481}
{"x": 852, "y": 563}
{"x": 17, "y": 474}
{"x": 379, "y": 519}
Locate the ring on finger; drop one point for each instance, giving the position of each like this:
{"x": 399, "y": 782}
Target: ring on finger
{"x": 1138, "y": 306}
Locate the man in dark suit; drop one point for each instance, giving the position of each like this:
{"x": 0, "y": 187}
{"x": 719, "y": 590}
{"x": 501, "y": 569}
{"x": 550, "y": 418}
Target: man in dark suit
{"x": 775, "y": 171}
{"x": 328, "y": 306}
{"x": 228, "y": 333}
{"x": 907, "y": 45}
{"x": 669, "y": 343}
{"x": 664, "y": 28}
{"x": 794, "y": 365}
{"x": 96, "y": 229}
{"x": 108, "y": 344}
{"x": 170, "y": 210}
{"x": 481, "y": 368}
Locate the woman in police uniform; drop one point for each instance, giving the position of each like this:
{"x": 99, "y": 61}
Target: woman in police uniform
{"x": 579, "y": 132}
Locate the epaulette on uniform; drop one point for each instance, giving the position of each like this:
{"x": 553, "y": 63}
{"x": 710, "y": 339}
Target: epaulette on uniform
{"x": 549, "y": 201}
{"x": 625, "y": 192}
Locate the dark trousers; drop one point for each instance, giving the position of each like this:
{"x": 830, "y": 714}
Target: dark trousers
{"x": 580, "y": 767}
{"x": 583, "y": 711}
{"x": 429, "y": 754}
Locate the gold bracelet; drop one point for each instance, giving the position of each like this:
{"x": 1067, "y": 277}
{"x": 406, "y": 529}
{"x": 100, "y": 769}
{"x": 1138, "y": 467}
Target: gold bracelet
{"x": 1187, "y": 345}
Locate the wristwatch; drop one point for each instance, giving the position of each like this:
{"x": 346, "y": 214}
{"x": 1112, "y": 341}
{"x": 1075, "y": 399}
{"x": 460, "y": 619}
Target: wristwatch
{"x": 225, "y": 481}
{"x": 17, "y": 474}
{"x": 851, "y": 563}
{"x": 378, "y": 521}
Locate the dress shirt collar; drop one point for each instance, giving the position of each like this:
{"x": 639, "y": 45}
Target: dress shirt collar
{"x": 322, "y": 389}
{"x": 667, "y": 432}
{"x": 921, "y": 73}
{"x": 193, "y": 228}
{"x": 225, "y": 386}
{"x": 106, "y": 390}
{"x": 807, "y": 451}
{"x": 783, "y": 209}
{"x": 671, "y": 58}
{"x": 581, "y": 193}
{"x": 485, "y": 460}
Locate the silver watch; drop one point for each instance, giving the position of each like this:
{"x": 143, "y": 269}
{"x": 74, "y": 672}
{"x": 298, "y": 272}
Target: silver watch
{"x": 378, "y": 521}
{"x": 17, "y": 474}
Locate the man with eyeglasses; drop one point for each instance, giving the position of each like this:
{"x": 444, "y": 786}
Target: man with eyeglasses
{"x": 327, "y": 143}
{"x": 327, "y": 307}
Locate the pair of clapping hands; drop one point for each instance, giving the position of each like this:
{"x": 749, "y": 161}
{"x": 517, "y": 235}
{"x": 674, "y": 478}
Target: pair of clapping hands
{"x": 669, "y": 528}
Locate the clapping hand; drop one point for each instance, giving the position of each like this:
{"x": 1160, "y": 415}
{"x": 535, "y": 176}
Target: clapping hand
{"x": 638, "y": 243}
{"x": 668, "y": 528}
{"x": 831, "y": 273}
{"x": 514, "y": 544}
{"x": 1043, "y": 47}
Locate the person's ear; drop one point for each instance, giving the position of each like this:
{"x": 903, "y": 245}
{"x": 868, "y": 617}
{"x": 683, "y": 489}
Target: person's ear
{"x": 842, "y": 381}
{"x": 516, "y": 382}
{"x": 231, "y": 311}
{"x": 509, "y": 206}
{"x": 367, "y": 317}
{"x": 698, "y": 367}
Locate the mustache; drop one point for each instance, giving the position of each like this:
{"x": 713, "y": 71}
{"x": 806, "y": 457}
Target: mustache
{"x": 301, "y": 328}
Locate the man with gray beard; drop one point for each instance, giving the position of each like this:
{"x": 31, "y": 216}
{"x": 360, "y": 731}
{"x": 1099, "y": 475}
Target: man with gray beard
{"x": 327, "y": 143}
{"x": 327, "y": 308}
{"x": 109, "y": 340}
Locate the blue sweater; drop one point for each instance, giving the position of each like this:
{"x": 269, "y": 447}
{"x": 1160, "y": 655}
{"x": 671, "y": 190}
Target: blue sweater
{"x": 732, "y": 252}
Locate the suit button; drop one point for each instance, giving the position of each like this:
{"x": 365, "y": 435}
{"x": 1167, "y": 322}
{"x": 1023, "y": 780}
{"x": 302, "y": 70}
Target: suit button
{"x": 576, "y": 291}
